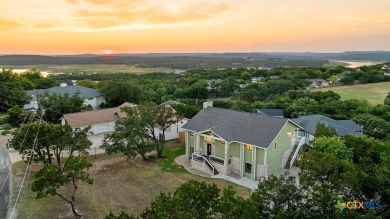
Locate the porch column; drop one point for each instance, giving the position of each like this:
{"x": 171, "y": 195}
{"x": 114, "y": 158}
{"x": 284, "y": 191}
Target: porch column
{"x": 226, "y": 157}
{"x": 196, "y": 142}
{"x": 242, "y": 160}
{"x": 265, "y": 163}
{"x": 254, "y": 164}
{"x": 187, "y": 145}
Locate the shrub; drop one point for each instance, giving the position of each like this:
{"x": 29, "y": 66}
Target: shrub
{"x": 4, "y": 120}
{"x": 6, "y": 132}
{"x": 152, "y": 157}
{"x": 7, "y": 127}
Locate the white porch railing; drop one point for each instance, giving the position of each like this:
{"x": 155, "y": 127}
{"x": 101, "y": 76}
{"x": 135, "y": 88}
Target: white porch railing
{"x": 217, "y": 160}
{"x": 301, "y": 143}
{"x": 200, "y": 158}
{"x": 220, "y": 160}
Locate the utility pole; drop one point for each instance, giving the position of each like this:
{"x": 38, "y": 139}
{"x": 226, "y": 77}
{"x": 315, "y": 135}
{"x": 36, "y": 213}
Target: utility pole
{"x": 39, "y": 110}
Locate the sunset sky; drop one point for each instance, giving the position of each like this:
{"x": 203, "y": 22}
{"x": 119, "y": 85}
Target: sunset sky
{"x": 143, "y": 26}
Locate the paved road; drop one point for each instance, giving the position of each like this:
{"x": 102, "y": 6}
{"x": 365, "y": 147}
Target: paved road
{"x": 4, "y": 181}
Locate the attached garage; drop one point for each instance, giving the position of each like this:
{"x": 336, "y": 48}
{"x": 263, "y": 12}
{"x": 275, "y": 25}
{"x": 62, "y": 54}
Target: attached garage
{"x": 101, "y": 121}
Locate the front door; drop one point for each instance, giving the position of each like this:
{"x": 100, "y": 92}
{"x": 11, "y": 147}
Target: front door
{"x": 208, "y": 149}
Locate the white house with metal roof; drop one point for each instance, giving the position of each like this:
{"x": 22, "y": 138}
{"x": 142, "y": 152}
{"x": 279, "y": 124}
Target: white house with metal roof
{"x": 90, "y": 96}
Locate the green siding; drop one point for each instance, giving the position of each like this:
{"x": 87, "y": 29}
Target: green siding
{"x": 191, "y": 139}
{"x": 283, "y": 143}
{"x": 275, "y": 166}
{"x": 234, "y": 150}
{"x": 219, "y": 149}
{"x": 248, "y": 156}
{"x": 186, "y": 144}
{"x": 260, "y": 156}
{"x": 202, "y": 145}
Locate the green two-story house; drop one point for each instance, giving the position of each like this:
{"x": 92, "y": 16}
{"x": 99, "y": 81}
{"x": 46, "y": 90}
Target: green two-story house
{"x": 239, "y": 144}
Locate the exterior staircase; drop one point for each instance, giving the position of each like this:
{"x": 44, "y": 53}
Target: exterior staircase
{"x": 205, "y": 160}
{"x": 291, "y": 155}
{"x": 211, "y": 167}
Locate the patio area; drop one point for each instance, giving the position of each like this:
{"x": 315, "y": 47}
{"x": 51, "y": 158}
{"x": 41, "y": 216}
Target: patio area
{"x": 233, "y": 177}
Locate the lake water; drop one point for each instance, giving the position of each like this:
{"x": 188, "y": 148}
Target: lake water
{"x": 356, "y": 64}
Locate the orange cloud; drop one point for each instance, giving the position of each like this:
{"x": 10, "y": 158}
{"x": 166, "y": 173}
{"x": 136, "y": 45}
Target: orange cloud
{"x": 6, "y": 24}
{"x": 109, "y": 2}
{"x": 150, "y": 15}
{"x": 45, "y": 25}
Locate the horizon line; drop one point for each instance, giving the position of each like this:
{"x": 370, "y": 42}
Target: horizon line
{"x": 167, "y": 53}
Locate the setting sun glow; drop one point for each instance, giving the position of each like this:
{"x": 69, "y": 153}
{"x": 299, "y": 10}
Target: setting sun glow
{"x": 140, "y": 26}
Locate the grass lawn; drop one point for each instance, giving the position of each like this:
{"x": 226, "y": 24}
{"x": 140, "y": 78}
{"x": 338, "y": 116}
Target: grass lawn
{"x": 374, "y": 93}
{"x": 2, "y": 115}
{"x": 119, "y": 185}
{"x": 91, "y": 68}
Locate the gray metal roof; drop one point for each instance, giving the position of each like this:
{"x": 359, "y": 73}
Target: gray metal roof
{"x": 235, "y": 126}
{"x": 343, "y": 127}
{"x": 85, "y": 92}
{"x": 270, "y": 112}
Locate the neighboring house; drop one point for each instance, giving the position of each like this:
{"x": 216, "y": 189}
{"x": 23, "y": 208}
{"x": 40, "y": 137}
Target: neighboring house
{"x": 180, "y": 71}
{"x": 172, "y": 102}
{"x": 347, "y": 72}
{"x": 316, "y": 83}
{"x": 101, "y": 121}
{"x": 340, "y": 77}
{"x": 243, "y": 85}
{"x": 343, "y": 127}
{"x": 270, "y": 112}
{"x": 211, "y": 82}
{"x": 239, "y": 144}
{"x": 256, "y": 79}
{"x": 173, "y": 132}
{"x": 90, "y": 96}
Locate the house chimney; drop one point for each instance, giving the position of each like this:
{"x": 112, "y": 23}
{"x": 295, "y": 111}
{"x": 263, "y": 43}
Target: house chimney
{"x": 207, "y": 104}
{"x": 63, "y": 84}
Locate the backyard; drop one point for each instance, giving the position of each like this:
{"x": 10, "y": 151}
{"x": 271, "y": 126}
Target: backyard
{"x": 374, "y": 93}
{"x": 119, "y": 185}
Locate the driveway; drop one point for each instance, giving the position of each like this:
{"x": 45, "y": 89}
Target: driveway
{"x": 4, "y": 181}
{"x": 96, "y": 140}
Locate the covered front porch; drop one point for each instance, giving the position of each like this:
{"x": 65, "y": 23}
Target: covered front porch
{"x": 213, "y": 152}
{"x": 232, "y": 177}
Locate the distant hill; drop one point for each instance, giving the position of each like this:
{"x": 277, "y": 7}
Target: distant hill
{"x": 197, "y": 60}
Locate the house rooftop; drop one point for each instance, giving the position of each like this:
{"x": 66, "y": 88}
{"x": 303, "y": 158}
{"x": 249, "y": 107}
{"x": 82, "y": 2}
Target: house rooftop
{"x": 235, "y": 126}
{"x": 343, "y": 127}
{"x": 84, "y": 92}
{"x": 87, "y": 118}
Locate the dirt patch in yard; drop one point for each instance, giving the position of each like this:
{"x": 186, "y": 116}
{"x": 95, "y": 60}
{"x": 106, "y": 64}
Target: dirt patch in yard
{"x": 119, "y": 185}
